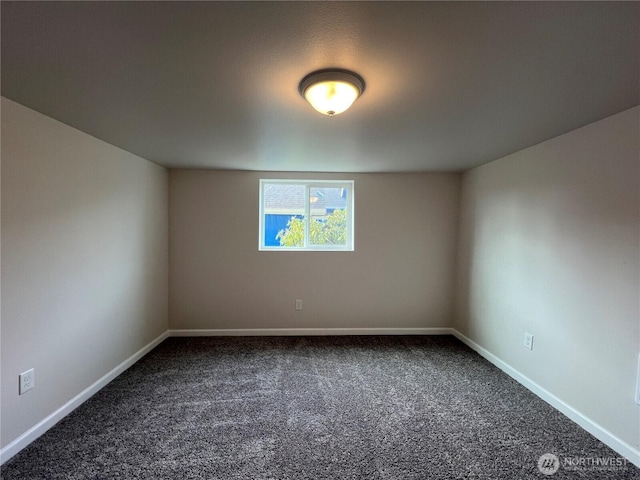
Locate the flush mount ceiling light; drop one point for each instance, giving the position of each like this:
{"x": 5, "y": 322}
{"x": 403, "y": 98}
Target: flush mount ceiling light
{"x": 331, "y": 92}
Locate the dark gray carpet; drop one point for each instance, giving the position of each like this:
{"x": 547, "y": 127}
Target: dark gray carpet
{"x": 312, "y": 408}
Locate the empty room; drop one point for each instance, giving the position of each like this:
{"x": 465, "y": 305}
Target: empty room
{"x": 320, "y": 240}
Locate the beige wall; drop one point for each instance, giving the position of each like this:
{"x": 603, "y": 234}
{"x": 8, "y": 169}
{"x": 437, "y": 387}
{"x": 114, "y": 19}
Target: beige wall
{"x": 549, "y": 243}
{"x": 401, "y": 274}
{"x": 84, "y": 261}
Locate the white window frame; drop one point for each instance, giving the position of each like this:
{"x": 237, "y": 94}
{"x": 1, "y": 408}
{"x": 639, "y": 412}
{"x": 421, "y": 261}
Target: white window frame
{"x": 309, "y": 184}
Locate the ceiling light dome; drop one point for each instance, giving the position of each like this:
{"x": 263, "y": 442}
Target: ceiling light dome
{"x": 331, "y": 92}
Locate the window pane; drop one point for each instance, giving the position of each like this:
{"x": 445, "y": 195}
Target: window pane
{"x": 328, "y": 212}
{"x": 284, "y": 206}
{"x": 306, "y": 215}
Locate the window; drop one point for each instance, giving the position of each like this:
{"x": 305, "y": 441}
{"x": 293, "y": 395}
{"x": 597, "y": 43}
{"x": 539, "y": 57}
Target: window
{"x": 306, "y": 215}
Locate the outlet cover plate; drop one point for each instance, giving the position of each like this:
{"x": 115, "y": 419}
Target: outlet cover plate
{"x": 528, "y": 340}
{"x": 27, "y": 380}
{"x": 638, "y": 383}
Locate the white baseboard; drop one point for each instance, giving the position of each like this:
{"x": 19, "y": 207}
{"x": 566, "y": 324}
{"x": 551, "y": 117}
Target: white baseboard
{"x": 598, "y": 431}
{"x": 274, "y": 332}
{"x": 41, "y": 427}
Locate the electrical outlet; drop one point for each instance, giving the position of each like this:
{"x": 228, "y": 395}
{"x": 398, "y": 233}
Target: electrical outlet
{"x": 638, "y": 383}
{"x": 298, "y": 304}
{"x": 528, "y": 340}
{"x": 27, "y": 381}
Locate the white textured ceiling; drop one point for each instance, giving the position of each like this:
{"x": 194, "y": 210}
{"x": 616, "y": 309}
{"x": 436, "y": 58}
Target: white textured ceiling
{"x": 214, "y": 84}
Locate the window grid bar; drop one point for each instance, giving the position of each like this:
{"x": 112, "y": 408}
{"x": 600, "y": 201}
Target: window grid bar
{"x": 307, "y": 215}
